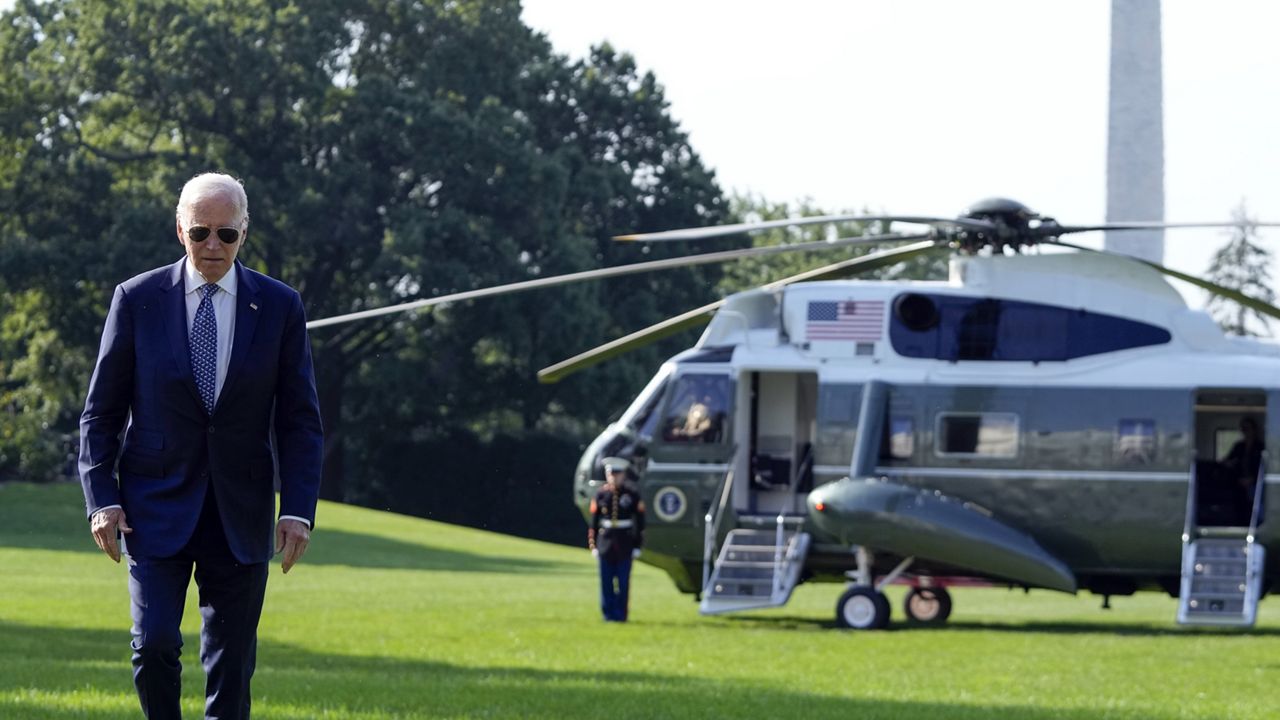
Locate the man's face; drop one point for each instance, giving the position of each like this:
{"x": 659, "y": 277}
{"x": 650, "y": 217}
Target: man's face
{"x": 211, "y": 257}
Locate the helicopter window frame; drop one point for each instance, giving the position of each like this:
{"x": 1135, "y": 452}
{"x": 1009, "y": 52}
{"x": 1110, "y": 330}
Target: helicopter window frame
{"x": 939, "y": 434}
{"x": 1136, "y": 441}
{"x": 994, "y": 329}
{"x": 898, "y": 441}
{"x": 645, "y": 406}
{"x": 836, "y": 422}
{"x": 674, "y": 396}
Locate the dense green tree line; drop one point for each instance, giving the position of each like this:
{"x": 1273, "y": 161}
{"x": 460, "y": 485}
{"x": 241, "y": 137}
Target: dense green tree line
{"x": 392, "y": 150}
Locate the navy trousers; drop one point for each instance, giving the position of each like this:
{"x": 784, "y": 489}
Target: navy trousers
{"x": 615, "y": 582}
{"x": 230, "y": 604}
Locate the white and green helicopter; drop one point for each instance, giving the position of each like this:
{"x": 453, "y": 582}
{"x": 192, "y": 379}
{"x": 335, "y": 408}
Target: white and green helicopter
{"x": 1041, "y": 419}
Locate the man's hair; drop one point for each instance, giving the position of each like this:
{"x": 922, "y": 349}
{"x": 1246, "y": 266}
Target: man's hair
{"x": 208, "y": 185}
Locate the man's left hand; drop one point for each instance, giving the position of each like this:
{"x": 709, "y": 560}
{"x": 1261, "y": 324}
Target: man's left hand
{"x": 292, "y": 537}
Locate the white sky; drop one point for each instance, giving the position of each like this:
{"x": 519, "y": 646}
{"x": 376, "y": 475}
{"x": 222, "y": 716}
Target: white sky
{"x": 924, "y": 106}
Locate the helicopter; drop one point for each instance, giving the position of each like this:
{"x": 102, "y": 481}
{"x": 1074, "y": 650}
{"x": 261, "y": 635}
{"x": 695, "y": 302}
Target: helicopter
{"x": 1041, "y": 419}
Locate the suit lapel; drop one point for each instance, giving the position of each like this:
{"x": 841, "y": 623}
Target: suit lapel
{"x": 175, "y": 305}
{"x": 246, "y": 322}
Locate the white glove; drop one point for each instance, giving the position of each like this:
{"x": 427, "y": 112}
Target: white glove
{"x": 635, "y": 554}
{"x": 595, "y": 553}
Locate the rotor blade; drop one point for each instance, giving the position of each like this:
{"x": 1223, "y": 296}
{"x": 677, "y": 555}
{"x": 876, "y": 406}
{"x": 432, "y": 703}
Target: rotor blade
{"x": 670, "y": 326}
{"x": 648, "y": 266}
{"x": 703, "y": 233}
{"x": 1064, "y": 229}
{"x": 1246, "y": 300}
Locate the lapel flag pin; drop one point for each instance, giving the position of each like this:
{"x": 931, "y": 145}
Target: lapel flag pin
{"x": 253, "y": 305}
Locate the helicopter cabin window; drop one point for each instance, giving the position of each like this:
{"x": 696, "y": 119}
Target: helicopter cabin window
{"x": 838, "y": 408}
{"x": 991, "y": 435}
{"x": 899, "y": 438}
{"x": 1136, "y": 442}
{"x": 698, "y": 409}
{"x": 946, "y": 327}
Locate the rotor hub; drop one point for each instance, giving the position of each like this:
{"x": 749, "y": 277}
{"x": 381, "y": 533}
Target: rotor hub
{"x": 1009, "y": 224}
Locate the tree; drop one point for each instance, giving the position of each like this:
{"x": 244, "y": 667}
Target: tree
{"x": 392, "y": 150}
{"x": 1244, "y": 265}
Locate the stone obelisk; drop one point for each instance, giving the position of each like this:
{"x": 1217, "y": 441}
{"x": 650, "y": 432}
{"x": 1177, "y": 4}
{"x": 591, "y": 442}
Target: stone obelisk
{"x": 1135, "y": 128}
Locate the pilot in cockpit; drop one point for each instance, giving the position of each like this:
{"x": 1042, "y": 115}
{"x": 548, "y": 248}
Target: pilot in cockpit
{"x": 697, "y": 421}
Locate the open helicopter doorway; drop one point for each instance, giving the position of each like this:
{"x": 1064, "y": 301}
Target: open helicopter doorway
{"x": 1230, "y": 435}
{"x": 781, "y": 428}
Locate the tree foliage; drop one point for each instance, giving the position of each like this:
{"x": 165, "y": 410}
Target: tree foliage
{"x": 1245, "y": 265}
{"x": 392, "y": 150}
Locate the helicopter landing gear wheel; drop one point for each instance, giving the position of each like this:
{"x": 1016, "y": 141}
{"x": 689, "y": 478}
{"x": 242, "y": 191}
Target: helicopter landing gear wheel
{"x": 862, "y": 608}
{"x": 928, "y": 605}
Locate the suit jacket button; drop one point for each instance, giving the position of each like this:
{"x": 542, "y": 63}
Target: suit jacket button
{"x": 210, "y": 429}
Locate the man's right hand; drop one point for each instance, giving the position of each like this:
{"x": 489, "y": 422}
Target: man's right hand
{"x": 104, "y": 525}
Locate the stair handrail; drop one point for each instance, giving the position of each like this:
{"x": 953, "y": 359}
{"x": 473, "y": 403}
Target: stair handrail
{"x": 779, "y": 535}
{"x": 1190, "y": 521}
{"x": 711, "y": 521}
{"x": 1257, "y": 498}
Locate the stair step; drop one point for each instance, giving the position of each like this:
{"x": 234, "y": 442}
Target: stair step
{"x": 1222, "y": 531}
{"x": 1219, "y": 570}
{"x": 1221, "y": 579}
{"x": 1233, "y": 606}
{"x": 1217, "y": 587}
{"x": 753, "y": 571}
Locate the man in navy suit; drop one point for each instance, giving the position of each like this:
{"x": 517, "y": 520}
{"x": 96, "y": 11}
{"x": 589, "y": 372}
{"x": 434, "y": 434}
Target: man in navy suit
{"x": 200, "y": 362}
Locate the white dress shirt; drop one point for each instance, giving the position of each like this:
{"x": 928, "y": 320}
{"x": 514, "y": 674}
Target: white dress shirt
{"x": 224, "y": 312}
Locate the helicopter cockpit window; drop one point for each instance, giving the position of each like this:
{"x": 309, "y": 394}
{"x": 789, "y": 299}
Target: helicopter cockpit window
{"x": 646, "y": 418}
{"x": 698, "y": 409}
{"x": 947, "y": 327}
{"x": 641, "y": 416}
{"x": 992, "y": 435}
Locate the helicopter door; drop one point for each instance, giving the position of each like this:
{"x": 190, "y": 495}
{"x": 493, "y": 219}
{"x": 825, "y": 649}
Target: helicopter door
{"x": 1230, "y": 427}
{"x": 782, "y": 428}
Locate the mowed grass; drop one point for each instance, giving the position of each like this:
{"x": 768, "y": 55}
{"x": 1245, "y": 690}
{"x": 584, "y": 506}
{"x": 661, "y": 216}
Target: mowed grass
{"x": 396, "y": 617}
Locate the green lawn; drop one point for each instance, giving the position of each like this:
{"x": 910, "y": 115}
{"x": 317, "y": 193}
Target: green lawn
{"x": 395, "y": 617}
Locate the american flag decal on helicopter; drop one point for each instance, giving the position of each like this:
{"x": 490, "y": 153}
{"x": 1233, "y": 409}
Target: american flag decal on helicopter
{"x": 847, "y": 320}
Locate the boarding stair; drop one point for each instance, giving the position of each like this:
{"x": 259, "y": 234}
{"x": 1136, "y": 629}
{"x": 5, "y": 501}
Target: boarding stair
{"x": 755, "y": 569}
{"x": 759, "y": 561}
{"x": 1222, "y": 567}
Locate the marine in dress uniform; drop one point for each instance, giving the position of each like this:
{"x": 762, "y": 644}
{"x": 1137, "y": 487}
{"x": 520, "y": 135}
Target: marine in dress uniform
{"x": 615, "y": 537}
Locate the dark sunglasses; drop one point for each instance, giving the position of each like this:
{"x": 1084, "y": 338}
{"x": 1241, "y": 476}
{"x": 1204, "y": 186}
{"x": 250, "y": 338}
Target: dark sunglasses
{"x": 200, "y": 233}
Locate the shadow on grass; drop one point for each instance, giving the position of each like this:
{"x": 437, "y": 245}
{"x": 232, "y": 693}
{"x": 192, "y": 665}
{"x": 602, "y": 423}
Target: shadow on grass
{"x": 37, "y": 663}
{"x": 1102, "y": 627}
{"x": 340, "y": 547}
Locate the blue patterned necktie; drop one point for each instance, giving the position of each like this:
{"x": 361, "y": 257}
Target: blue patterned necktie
{"x": 204, "y": 347}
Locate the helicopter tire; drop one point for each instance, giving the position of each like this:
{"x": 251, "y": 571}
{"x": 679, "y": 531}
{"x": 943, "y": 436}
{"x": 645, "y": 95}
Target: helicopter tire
{"x": 927, "y": 606}
{"x": 862, "y": 608}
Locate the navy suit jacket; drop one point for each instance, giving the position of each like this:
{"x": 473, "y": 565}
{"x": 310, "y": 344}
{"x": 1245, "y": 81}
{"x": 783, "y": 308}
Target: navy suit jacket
{"x": 173, "y": 451}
